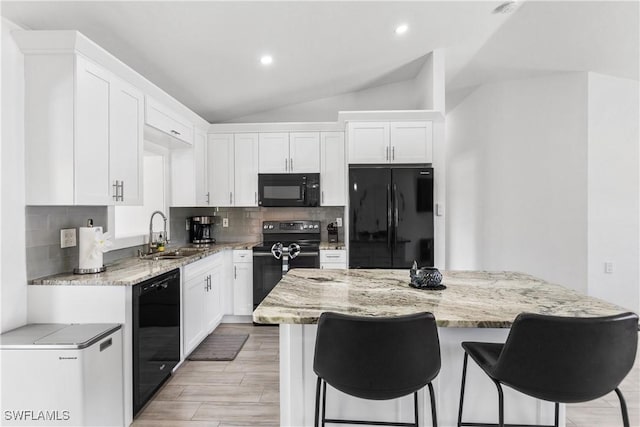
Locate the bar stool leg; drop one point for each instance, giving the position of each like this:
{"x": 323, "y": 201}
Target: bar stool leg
{"x": 324, "y": 401}
{"x": 623, "y": 408}
{"x": 464, "y": 376}
{"x": 500, "y": 404}
{"x": 317, "y": 402}
{"x": 415, "y": 408}
{"x": 434, "y": 418}
{"x": 557, "y": 418}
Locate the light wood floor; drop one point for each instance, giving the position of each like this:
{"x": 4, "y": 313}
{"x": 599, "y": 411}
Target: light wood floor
{"x": 244, "y": 392}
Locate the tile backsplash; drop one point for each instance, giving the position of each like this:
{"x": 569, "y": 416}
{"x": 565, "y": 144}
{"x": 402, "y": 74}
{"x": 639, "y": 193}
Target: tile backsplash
{"x": 43, "y": 224}
{"x": 245, "y": 223}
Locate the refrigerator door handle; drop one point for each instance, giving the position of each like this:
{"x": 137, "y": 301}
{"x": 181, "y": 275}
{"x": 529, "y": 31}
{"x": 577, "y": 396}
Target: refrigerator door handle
{"x": 389, "y": 219}
{"x": 395, "y": 214}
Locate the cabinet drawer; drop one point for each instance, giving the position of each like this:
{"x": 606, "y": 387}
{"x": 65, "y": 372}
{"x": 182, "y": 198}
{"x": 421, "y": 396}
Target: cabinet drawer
{"x": 242, "y": 256}
{"x": 165, "y": 120}
{"x": 333, "y": 256}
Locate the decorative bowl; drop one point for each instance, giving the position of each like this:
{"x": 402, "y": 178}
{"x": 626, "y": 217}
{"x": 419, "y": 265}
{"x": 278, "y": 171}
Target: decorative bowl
{"x": 425, "y": 277}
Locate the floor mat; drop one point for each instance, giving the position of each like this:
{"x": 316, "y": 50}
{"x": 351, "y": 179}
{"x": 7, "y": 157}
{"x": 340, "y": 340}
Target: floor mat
{"x": 219, "y": 347}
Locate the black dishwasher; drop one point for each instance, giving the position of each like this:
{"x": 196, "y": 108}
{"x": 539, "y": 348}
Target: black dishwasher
{"x": 156, "y": 334}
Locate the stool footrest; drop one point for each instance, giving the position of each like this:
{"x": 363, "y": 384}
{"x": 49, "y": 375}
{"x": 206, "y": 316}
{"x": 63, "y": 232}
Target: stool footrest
{"x": 373, "y": 423}
{"x": 505, "y": 425}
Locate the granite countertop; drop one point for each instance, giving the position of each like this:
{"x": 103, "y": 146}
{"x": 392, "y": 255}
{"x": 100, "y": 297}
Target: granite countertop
{"x": 473, "y": 299}
{"x": 131, "y": 271}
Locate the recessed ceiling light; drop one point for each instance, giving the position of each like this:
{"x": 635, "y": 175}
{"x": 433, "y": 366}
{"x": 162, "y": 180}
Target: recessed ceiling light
{"x": 266, "y": 60}
{"x": 401, "y": 29}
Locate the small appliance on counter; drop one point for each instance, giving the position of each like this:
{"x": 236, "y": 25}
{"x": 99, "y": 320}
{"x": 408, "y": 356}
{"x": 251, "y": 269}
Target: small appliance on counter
{"x": 332, "y": 231}
{"x": 201, "y": 229}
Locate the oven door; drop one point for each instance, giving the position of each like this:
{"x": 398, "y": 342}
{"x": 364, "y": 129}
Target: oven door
{"x": 288, "y": 189}
{"x": 267, "y": 271}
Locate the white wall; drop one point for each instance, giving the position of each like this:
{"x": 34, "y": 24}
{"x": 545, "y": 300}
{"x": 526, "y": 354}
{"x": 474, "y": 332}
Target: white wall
{"x": 613, "y": 173}
{"x": 516, "y": 179}
{"x": 13, "y": 283}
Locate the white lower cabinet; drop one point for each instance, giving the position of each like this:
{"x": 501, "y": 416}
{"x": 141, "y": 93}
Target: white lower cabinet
{"x": 202, "y": 288}
{"x": 242, "y": 282}
{"x": 333, "y": 259}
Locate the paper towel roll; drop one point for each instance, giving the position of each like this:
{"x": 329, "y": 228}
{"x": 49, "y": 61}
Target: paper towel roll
{"x": 89, "y": 257}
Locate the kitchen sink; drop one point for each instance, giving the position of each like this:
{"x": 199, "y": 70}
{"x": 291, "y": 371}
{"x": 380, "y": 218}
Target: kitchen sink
{"x": 173, "y": 254}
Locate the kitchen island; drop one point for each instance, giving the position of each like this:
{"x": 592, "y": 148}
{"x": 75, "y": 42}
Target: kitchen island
{"x": 475, "y": 306}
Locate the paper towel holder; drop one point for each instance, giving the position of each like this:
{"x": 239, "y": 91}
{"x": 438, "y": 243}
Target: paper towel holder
{"x": 89, "y": 270}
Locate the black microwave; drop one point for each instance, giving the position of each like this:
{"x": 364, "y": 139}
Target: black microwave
{"x": 289, "y": 189}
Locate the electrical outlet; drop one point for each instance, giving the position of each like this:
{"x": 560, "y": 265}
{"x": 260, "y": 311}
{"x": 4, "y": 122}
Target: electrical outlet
{"x": 439, "y": 209}
{"x": 608, "y": 267}
{"x": 225, "y": 222}
{"x": 67, "y": 237}
{"x": 339, "y": 222}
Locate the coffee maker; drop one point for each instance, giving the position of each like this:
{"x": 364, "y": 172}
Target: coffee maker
{"x": 201, "y": 230}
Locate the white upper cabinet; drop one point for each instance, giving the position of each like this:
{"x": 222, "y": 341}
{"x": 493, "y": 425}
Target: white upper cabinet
{"x": 295, "y": 152}
{"x": 91, "y": 150}
{"x": 332, "y": 169}
{"x": 273, "y": 153}
{"x": 411, "y": 142}
{"x": 220, "y": 159}
{"x": 167, "y": 121}
{"x": 233, "y": 169}
{"x": 245, "y": 174}
{"x": 126, "y": 143}
{"x": 83, "y": 132}
{"x": 368, "y": 142}
{"x": 304, "y": 152}
{"x": 390, "y": 142}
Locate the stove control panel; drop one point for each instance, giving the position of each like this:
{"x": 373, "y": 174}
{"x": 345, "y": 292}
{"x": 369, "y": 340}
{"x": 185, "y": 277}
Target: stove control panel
{"x": 291, "y": 227}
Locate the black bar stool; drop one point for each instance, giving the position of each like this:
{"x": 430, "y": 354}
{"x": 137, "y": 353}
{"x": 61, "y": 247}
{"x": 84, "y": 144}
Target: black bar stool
{"x": 376, "y": 358}
{"x": 558, "y": 359}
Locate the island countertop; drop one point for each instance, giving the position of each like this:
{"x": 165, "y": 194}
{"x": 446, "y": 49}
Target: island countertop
{"x": 472, "y": 299}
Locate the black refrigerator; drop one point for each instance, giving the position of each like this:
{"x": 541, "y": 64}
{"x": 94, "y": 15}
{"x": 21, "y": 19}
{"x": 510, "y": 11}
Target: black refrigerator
{"x": 391, "y": 216}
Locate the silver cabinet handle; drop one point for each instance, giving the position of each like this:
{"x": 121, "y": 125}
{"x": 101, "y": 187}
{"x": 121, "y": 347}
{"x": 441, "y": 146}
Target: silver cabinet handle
{"x": 122, "y": 191}
{"x": 208, "y": 197}
{"x": 393, "y": 153}
{"x": 332, "y": 256}
{"x": 230, "y": 198}
{"x": 255, "y": 196}
{"x": 286, "y": 165}
{"x": 322, "y": 197}
{"x": 175, "y": 132}
{"x": 235, "y": 271}
{"x": 115, "y": 191}
{"x": 291, "y": 165}
{"x": 206, "y": 284}
{"x": 386, "y": 153}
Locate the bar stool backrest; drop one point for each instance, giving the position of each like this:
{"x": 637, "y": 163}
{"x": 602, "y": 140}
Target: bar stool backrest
{"x": 568, "y": 359}
{"x": 377, "y": 358}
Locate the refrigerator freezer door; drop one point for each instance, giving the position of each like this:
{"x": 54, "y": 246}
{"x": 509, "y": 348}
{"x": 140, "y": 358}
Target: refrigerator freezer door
{"x": 370, "y": 238}
{"x": 412, "y": 199}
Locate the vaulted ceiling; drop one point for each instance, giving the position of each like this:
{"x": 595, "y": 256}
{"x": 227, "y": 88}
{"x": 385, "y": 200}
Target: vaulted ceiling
{"x": 206, "y": 53}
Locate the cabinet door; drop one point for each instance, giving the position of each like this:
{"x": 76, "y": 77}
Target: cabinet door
{"x": 126, "y": 143}
{"x": 368, "y": 142}
{"x": 273, "y": 153}
{"x": 220, "y": 169}
{"x": 332, "y": 169}
{"x": 91, "y": 148}
{"x": 304, "y": 152}
{"x": 411, "y": 142}
{"x": 242, "y": 288}
{"x": 167, "y": 121}
{"x": 212, "y": 298}
{"x": 245, "y": 169}
{"x": 192, "y": 312}
{"x": 200, "y": 160}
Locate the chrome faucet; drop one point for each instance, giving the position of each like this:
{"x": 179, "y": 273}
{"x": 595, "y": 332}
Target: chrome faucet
{"x": 153, "y": 245}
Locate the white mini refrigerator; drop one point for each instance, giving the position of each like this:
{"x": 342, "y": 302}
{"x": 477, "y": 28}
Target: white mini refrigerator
{"x": 62, "y": 375}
